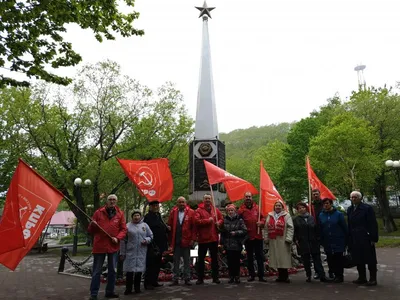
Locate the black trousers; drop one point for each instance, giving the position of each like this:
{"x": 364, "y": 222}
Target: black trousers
{"x": 133, "y": 282}
{"x": 255, "y": 247}
{"x": 316, "y": 257}
{"x": 213, "y": 248}
{"x": 335, "y": 263}
{"x": 153, "y": 265}
{"x": 362, "y": 273}
{"x": 233, "y": 257}
{"x": 283, "y": 274}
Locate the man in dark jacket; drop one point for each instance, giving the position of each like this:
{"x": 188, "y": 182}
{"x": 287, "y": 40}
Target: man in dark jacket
{"x": 306, "y": 237}
{"x": 316, "y": 209}
{"x": 160, "y": 238}
{"x": 108, "y": 227}
{"x": 363, "y": 234}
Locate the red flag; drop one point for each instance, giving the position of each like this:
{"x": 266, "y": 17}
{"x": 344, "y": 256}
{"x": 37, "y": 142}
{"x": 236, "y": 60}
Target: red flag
{"x": 11, "y": 236}
{"x": 269, "y": 194}
{"x": 235, "y": 186}
{"x": 152, "y": 177}
{"x": 315, "y": 183}
{"x": 37, "y": 200}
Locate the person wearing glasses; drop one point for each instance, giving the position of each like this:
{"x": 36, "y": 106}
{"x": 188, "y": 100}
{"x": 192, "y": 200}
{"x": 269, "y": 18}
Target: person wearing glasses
{"x": 108, "y": 228}
{"x": 363, "y": 234}
{"x": 254, "y": 244}
{"x": 333, "y": 229}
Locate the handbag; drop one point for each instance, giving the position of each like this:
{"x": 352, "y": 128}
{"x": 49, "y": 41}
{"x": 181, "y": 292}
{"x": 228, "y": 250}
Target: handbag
{"x": 348, "y": 262}
{"x": 153, "y": 249}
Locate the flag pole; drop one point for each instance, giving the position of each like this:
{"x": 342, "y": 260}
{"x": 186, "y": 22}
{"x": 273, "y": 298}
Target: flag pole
{"x": 87, "y": 216}
{"x": 213, "y": 202}
{"x": 259, "y": 202}
{"x": 309, "y": 185}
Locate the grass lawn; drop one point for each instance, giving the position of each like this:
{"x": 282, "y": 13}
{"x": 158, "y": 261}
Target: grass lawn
{"x": 388, "y": 243}
{"x": 382, "y": 231}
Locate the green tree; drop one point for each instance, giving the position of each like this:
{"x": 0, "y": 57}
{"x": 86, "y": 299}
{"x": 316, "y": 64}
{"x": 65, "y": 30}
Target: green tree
{"x": 348, "y": 156}
{"x": 380, "y": 107}
{"x": 293, "y": 177}
{"x": 79, "y": 131}
{"x": 31, "y": 34}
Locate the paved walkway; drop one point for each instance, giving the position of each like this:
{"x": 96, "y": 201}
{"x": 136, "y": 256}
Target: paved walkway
{"x": 37, "y": 278}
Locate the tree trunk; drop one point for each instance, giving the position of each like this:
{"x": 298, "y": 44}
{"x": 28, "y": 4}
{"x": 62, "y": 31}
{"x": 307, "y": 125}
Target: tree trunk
{"x": 81, "y": 218}
{"x": 380, "y": 193}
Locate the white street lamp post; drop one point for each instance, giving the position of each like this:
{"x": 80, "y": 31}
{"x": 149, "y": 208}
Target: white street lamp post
{"x": 78, "y": 184}
{"x": 395, "y": 166}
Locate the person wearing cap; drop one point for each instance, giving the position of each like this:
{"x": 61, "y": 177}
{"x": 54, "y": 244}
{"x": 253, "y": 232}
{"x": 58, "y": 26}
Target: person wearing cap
{"x": 279, "y": 236}
{"x": 133, "y": 251}
{"x": 160, "y": 230}
{"x": 208, "y": 220}
{"x": 306, "y": 238}
{"x": 182, "y": 237}
{"x": 108, "y": 228}
{"x": 254, "y": 244}
{"x": 363, "y": 233}
{"x": 333, "y": 232}
{"x": 233, "y": 233}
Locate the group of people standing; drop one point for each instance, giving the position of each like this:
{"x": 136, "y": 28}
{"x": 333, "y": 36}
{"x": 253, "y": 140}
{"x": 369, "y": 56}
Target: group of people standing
{"x": 142, "y": 242}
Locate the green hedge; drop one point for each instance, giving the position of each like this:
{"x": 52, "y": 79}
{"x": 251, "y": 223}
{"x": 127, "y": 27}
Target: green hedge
{"x": 69, "y": 239}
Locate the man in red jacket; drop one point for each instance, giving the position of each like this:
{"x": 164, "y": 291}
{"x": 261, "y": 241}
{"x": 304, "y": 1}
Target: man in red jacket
{"x": 254, "y": 244}
{"x": 207, "y": 221}
{"x": 110, "y": 219}
{"x": 182, "y": 236}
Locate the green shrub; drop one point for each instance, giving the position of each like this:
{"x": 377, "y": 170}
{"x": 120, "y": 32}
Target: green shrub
{"x": 69, "y": 239}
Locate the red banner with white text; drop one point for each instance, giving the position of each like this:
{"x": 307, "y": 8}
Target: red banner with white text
{"x": 37, "y": 201}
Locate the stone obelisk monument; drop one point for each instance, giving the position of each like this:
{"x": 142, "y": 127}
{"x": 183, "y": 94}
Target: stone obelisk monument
{"x": 206, "y": 145}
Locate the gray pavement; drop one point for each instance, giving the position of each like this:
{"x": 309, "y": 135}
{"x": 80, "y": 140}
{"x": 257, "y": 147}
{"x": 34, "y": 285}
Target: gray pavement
{"x": 37, "y": 278}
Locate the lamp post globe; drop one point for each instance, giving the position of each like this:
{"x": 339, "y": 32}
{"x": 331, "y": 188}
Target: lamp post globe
{"x": 78, "y": 181}
{"x": 88, "y": 182}
{"x": 389, "y": 163}
{"x": 396, "y": 164}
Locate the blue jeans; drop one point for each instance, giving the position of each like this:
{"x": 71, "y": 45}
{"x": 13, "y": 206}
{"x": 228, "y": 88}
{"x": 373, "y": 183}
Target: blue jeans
{"x": 98, "y": 261}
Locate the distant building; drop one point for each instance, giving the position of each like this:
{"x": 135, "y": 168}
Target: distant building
{"x": 61, "y": 223}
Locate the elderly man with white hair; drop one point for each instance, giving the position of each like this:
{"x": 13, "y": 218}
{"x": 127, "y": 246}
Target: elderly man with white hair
{"x": 363, "y": 234}
{"x": 108, "y": 228}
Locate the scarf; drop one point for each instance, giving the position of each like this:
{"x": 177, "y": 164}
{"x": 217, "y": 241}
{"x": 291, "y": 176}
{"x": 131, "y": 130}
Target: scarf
{"x": 111, "y": 212}
{"x": 276, "y": 225}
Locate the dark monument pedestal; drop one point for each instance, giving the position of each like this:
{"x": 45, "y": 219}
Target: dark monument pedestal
{"x": 214, "y": 152}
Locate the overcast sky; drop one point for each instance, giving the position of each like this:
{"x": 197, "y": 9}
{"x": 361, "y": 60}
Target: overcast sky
{"x": 273, "y": 60}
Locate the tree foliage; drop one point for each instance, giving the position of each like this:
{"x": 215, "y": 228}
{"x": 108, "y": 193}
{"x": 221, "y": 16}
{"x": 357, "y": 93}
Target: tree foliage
{"x": 31, "y": 34}
{"x": 348, "y": 155}
{"x": 79, "y": 132}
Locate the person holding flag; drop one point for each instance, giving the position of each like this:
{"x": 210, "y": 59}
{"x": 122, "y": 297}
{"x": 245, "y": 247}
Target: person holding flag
{"x": 306, "y": 237}
{"x": 249, "y": 212}
{"x": 208, "y": 220}
{"x": 182, "y": 237}
{"x": 279, "y": 236}
{"x": 108, "y": 227}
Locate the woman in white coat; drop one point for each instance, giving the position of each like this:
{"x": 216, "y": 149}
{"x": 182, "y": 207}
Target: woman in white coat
{"x": 134, "y": 250}
{"x": 278, "y": 233}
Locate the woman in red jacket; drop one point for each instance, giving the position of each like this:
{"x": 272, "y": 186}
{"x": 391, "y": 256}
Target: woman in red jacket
{"x": 111, "y": 219}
